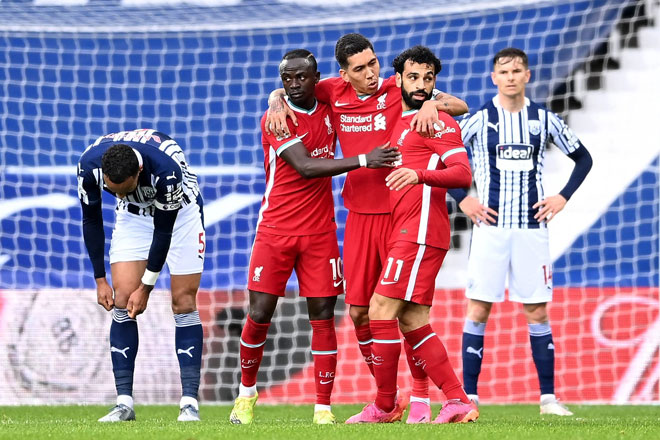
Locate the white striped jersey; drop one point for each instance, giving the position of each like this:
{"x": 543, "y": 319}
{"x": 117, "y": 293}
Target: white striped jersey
{"x": 508, "y": 150}
{"x": 165, "y": 182}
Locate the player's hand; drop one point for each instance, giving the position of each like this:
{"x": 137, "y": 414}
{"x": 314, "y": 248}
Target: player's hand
{"x": 104, "y": 294}
{"x": 276, "y": 116}
{"x": 400, "y": 178}
{"x": 425, "y": 119}
{"x": 137, "y": 302}
{"x": 383, "y": 156}
{"x": 549, "y": 207}
{"x": 477, "y": 212}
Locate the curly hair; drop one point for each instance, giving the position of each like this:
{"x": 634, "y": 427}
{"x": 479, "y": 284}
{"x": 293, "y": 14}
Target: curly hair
{"x": 419, "y": 55}
{"x": 119, "y": 162}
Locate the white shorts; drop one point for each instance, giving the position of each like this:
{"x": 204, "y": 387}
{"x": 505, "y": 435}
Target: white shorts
{"x": 523, "y": 254}
{"x": 133, "y": 234}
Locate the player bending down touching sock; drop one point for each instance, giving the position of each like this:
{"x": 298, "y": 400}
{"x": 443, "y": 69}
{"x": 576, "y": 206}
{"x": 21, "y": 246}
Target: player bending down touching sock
{"x": 159, "y": 219}
{"x": 297, "y": 230}
{"x": 418, "y": 244}
{"x": 365, "y": 109}
{"x": 508, "y": 137}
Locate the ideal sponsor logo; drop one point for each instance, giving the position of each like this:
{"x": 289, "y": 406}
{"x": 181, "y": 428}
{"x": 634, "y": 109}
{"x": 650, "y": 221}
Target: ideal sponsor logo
{"x": 514, "y": 151}
{"x": 514, "y": 157}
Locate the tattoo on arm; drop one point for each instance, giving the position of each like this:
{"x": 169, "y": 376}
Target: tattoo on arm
{"x": 276, "y": 105}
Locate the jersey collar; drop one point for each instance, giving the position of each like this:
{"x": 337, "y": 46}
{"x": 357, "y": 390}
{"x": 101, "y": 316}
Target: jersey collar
{"x": 139, "y": 157}
{"x": 496, "y": 101}
{"x": 409, "y": 112}
{"x": 297, "y": 109}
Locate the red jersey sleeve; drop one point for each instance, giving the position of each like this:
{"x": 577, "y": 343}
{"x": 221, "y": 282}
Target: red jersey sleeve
{"x": 278, "y": 143}
{"x": 324, "y": 90}
{"x": 447, "y": 143}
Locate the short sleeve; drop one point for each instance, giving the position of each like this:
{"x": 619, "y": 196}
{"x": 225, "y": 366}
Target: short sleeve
{"x": 90, "y": 181}
{"x": 447, "y": 140}
{"x": 281, "y": 143}
{"x": 561, "y": 135}
{"x": 169, "y": 190}
{"x": 325, "y": 88}
{"x": 470, "y": 125}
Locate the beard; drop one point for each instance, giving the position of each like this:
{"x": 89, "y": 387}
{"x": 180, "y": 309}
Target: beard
{"x": 414, "y": 104}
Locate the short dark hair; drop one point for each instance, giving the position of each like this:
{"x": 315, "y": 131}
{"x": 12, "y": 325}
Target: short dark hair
{"x": 119, "y": 162}
{"x": 348, "y": 45}
{"x": 419, "y": 55}
{"x": 511, "y": 53}
{"x": 300, "y": 53}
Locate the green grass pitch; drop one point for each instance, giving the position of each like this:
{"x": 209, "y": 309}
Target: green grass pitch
{"x": 294, "y": 423}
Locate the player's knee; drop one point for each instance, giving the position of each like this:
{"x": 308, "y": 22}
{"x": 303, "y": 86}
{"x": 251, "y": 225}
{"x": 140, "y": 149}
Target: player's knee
{"x": 259, "y": 315}
{"x": 121, "y": 294}
{"x": 321, "y": 308}
{"x": 359, "y": 315}
{"x": 184, "y": 302}
{"x": 478, "y": 311}
{"x": 262, "y": 307}
{"x": 536, "y": 313}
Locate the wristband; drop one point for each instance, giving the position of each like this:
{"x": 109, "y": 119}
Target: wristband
{"x": 149, "y": 278}
{"x": 362, "y": 159}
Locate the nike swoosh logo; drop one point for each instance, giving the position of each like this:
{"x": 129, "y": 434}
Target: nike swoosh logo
{"x": 341, "y": 104}
{"x": 337, "y": 283}
{"x": 247, "y": 366}
{"x": 300, "y": 136}
{"x": 385, "y": 283}
{"x": 325, "y": 382}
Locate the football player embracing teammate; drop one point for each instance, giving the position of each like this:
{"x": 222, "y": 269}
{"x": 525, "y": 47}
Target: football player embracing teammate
{"x": 365, "y": 109}
{"x": 419, "y": 243}
{"x": 296, "y": 230}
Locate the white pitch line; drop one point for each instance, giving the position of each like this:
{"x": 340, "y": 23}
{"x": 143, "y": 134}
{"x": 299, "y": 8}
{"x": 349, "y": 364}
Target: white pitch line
{"x": 51, "y": 201}
{"x": 226, "y": 206}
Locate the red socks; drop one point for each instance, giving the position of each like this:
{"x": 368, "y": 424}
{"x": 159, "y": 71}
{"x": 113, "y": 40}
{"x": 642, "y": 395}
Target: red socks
{"x": 253, "y": 339}
{"x": 420, "y": 382}
{"x": 363, "y": 334}
{"x": 324, "y": 351}
{"x": 432, "y": 357}
{"x": 385, "y": 350}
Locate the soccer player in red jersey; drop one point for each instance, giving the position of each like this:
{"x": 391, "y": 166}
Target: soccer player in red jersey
{"x": 365, "y": 110}
{"x": 296, "y": 230}
{"x": 418, "y": 244}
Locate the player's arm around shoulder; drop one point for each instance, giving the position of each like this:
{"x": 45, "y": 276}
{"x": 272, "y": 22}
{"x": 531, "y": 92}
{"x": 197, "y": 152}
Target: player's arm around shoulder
{"x": 278, "y": 114}
{"x": 426, "y": 120}
{"x": 448, "y": 145}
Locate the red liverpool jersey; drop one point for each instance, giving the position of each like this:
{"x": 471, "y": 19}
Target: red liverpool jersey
{"x": 363, "y": 123}
{"x": 293, "y": 205}
{"x": 419, "y": 212}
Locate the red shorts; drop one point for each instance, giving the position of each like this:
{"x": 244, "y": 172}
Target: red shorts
{"x": 410, "y": 272}
{"x": 314, "y": 257}
{"x": 365, "y": 251}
